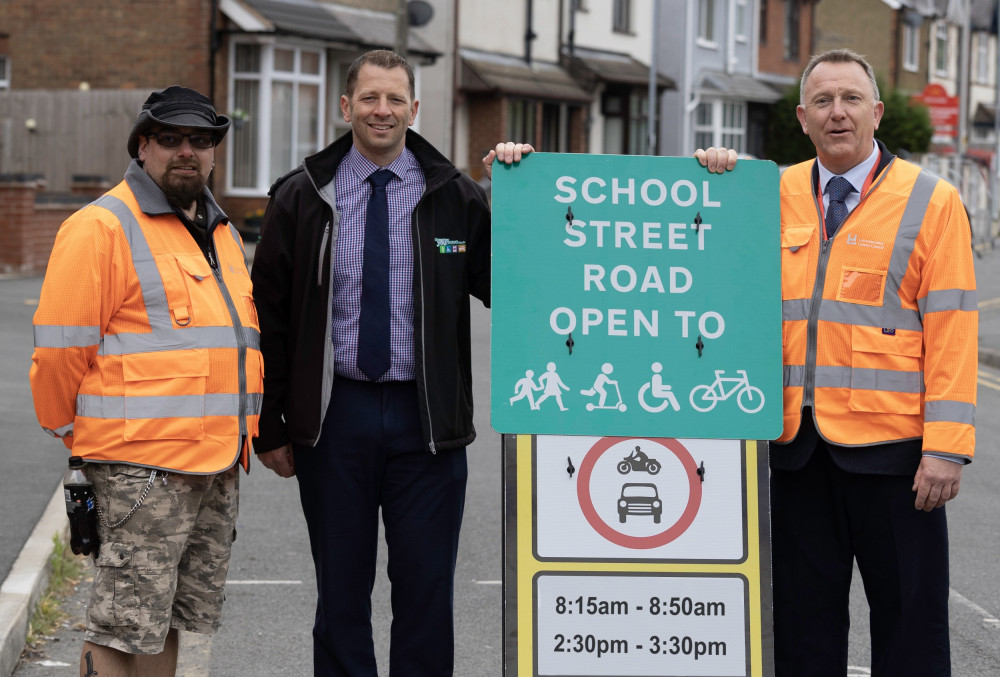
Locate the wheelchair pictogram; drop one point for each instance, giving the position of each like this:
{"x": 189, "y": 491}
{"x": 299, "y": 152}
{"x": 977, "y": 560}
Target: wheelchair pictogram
{"x": 657, "y": 389}
{"x": 749, "y": 398}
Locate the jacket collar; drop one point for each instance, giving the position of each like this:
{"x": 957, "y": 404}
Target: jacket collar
{"x": 885, "y": 159}
{"x": 153, "y": 202}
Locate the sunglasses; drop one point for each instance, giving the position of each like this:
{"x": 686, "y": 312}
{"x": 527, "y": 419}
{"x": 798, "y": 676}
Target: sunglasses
{"x": 173, "y": 140}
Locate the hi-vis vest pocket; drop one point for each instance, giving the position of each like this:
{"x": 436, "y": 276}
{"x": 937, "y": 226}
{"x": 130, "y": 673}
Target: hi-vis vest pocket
{"x": 795, "y": 256}
{"x": 861, "y": 285}
{"x": 165, "y": 394}
{"x": 184, "y": 281}
{"x": 886, "y": 370}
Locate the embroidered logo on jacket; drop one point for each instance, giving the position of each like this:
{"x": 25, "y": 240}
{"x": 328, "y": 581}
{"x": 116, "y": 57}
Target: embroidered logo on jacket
{"x": 446, "y": 246}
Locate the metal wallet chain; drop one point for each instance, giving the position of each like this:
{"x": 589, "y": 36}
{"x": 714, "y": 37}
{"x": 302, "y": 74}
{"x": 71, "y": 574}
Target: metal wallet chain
{"x": 142, "y": 497}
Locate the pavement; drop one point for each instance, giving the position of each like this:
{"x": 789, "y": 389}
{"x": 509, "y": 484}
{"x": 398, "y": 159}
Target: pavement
{"x": 27, "y": 575}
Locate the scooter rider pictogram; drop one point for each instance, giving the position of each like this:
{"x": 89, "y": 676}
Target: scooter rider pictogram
{"x": 640, "y": 462}
{"x": 602, "y": 381}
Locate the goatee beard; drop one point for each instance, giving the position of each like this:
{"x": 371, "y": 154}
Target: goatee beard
{"x": 181, "y": 193}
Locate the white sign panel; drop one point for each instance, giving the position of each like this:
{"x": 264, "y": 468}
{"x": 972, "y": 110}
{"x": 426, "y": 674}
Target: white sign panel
{"x": 641, "y": 625}
{"x": 639, "y": 498}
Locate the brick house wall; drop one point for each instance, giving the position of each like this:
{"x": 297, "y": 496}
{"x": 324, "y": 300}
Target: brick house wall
{"x": 108, "y": 44}
{"x": 28, "y": 227}
{"x": 771, "y": 53}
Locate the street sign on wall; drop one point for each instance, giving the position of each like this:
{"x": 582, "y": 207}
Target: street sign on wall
{"x": 635, "y": 557}
{"x": 943, "y": 110}
{"x": 635, "y": 295}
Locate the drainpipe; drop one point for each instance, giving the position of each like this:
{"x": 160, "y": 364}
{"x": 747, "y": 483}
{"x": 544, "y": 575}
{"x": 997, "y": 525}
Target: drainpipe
{"x": 456, "y": 79}
{"x": 529, "y": 34}
{"x": 653, "y": 70}
{"x": 690, "y": 99}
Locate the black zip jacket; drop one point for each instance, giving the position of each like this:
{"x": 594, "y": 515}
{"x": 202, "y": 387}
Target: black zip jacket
{"x": 291, "y": 278}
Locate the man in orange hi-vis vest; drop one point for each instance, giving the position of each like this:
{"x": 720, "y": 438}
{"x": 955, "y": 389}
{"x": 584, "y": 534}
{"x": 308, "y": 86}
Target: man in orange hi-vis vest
{"x": 147, "y": 365}
{"x": 880, "y": 331}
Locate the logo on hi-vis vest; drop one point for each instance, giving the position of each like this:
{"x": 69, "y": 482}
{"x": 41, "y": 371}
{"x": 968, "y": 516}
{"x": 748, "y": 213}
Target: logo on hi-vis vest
{"x": 852, "y": 239}
{"x": 446, "y": 246}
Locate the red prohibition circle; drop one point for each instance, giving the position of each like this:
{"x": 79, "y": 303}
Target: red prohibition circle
{"x": 641, "y": 542}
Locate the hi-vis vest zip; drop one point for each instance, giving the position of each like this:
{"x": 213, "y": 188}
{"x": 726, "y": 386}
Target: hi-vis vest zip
{"x": 144, "y": 353}
{"x": 880, "y": 323}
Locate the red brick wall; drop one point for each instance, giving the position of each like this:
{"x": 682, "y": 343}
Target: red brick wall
{"x": 771, "y": 54}
{"x": 115, "y": 44}
{"x": 487, "y": 127}
{"x": 28, "y": 230}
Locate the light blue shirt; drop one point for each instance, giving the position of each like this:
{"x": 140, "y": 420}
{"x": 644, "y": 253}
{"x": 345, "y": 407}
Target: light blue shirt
{"x": 856, "y": 175}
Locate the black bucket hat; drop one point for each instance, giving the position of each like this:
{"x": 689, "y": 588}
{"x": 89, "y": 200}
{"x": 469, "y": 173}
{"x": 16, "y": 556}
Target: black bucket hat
{"x": 176, "y": 107}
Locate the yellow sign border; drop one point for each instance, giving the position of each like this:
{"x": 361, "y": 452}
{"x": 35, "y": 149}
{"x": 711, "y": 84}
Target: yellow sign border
{"x": 752, "y": 568}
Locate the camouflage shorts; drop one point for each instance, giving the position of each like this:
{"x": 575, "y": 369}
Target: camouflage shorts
{"x": 166, "y": 566}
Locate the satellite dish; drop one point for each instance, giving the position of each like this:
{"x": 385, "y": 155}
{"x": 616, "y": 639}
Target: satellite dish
{"x": 419, "y": 12}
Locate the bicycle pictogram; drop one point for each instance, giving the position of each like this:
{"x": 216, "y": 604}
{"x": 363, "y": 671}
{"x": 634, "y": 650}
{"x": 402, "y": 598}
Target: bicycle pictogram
{"x": 749, "y": 398}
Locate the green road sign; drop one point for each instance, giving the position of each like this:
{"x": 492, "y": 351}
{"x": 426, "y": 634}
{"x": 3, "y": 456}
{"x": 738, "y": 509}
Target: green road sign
{"x": 636, "y": 295}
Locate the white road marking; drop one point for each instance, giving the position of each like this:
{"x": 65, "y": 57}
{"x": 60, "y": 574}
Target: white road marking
{"x": 263, "y": 582}
{"x": 989, "y": 620}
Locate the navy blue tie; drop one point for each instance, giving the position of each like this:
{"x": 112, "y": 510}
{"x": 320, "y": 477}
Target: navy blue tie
{"x": 373, "y": 327}
{"x": 838, "y": 188}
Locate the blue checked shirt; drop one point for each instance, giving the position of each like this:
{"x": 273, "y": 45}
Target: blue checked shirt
{"x": 352, "y": 193}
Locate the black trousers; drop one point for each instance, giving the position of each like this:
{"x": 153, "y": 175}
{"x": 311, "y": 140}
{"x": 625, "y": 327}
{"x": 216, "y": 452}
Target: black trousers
{"x": 822, "y": 518}
{"x": 371, "y": 456}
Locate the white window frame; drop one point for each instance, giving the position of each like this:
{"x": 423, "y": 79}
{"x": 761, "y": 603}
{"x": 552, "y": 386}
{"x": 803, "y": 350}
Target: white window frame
{"x": 729, "y": 136}
{"x": 742, "y": 20}
{"x": 911, "y": 48}
{"x": 982, "y": 59}
{"x": 941, "y": 43}
{"x": 4, "y": 72}
{"x": 267, "y": 77}
{"x": 707, "y": 24}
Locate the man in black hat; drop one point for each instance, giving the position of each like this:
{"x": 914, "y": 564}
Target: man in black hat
{"x": 147, "y": 365}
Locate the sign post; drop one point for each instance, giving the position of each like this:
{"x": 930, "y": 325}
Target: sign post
{"x": 636, "y": 356}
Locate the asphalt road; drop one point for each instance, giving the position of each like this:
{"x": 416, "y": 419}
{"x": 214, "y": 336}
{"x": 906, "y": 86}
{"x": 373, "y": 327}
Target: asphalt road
{"x": 270, "y": 595}
{"x": 32, "y": 463}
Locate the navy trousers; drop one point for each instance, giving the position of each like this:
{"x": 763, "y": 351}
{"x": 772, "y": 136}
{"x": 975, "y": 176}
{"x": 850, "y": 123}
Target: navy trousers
{"x": 822, "y": 518}
{"x": 371, "y": 456}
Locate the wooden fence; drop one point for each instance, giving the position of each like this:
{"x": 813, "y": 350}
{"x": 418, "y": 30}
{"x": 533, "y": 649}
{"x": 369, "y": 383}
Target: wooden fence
{"x": 59, "y": 134}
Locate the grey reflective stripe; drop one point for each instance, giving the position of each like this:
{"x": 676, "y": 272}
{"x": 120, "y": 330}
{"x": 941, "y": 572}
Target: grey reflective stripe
{"x": 844, "y": 312}
{"x": 159, "y": 406}
{"x": 950, "y": 411}
{"x": 176, "y": 339}
{"x": 794, "y": 376}
{"x": 949, "y": 299}
{"x": 887, "y": 380}
{"x": 60, "y": 432}
{"x": 902, "y": 248}
{"x": 153, "y": 294}
{"x": 794, "y": 309}
{"x": 236, "y": 236}
{"x": 65, "y": 336}
{"x": 954, "y": 458}
{"x": 254, "y": 403}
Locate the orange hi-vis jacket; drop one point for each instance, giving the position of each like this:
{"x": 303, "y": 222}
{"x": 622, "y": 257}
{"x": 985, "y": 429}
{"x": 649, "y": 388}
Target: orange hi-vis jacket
{"x": 145, "y": 353}
{"x": 880, "y": 323}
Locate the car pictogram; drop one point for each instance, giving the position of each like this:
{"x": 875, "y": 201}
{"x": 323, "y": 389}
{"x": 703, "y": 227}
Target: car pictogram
{"x": 639, "y": 498}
